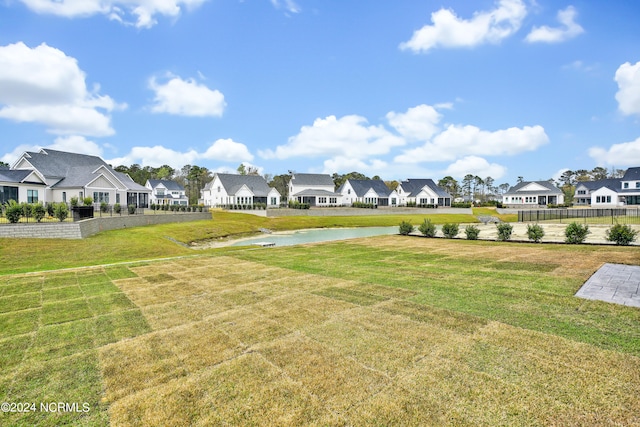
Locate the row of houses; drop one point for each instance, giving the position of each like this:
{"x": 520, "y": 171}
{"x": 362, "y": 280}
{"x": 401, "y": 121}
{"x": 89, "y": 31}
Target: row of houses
{"x": 318, "y": 190}
{"x": 57, "y": 176}
{"x": 603, "y": 193}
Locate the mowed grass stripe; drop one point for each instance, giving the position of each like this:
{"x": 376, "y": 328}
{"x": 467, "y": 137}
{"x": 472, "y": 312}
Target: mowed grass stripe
{"x": 501, "y": 282}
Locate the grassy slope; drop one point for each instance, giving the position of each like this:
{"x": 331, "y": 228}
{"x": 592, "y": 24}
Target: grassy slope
{"x": 140, "y": 243}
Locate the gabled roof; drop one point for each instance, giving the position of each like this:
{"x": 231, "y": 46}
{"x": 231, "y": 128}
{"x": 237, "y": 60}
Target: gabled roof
{"x": 414, "y": 186}
{"x": 632, "y": 174}
{"x": 130, "y": 183}
{"x": 53, "y": 163}
{"x": 312, "y": 179}
{"x": 168, "y": 184}
{"x": 549, "y": 188}
{"x": 611, "y": 183}
{"x": 362, "y": 186}
{"x": 232, "y": 183}
{"x": 17, "y": 176}
{"x": 316, "y": 192}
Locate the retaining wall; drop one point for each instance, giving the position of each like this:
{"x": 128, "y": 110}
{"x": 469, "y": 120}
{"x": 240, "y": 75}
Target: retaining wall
{"x": 89, "y": 227}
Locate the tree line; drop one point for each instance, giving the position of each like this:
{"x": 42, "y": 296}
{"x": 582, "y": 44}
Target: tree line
{"x": 471, "y": 187}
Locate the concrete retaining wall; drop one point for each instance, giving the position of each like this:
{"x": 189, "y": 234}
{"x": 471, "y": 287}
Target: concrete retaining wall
{"x": 89, "y": 227}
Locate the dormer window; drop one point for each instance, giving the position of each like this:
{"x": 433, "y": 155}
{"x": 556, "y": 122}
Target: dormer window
{"x": 625, "y": 185}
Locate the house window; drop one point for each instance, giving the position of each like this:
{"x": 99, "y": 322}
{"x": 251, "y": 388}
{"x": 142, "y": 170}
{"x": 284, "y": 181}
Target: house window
{"x": 393, "y": 201}
{"x": 117, "y": 198}
{"x": 64, "y": 196}
{"x": 274, "y": 201}
{"x": 625, "y": 185}
{"x": 218, "y": 188}
{"x": 8, "y": 193}
{"x": 582, "y": 192}
{"x": 608, "y": 199}
{"x": 333, "y": 200}
{"x": 424, "y": 201}
{"x": 349, "y": 191}
{"x": 638, "y": 184}
{"x": 160, "y": 192}
{"x": 322, "y": 200}
{"x": 100, "y": 197}
{"x": 32, "y": 196}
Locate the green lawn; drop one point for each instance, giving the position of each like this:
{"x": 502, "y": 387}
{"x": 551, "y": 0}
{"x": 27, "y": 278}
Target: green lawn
{"x": 388, "y": 330}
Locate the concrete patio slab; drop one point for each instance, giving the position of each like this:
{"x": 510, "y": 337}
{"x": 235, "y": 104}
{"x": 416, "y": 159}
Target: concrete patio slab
{"x": 616, "y": 283}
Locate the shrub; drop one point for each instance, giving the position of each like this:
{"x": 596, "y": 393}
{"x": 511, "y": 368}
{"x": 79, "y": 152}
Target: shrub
{"x": 117, "y": 208}
{"x": 88, "y": 201}
{"x": 535, "y": 232}
{"x": 405, "y": 228}
{"x": 450, "y": 230}
{"x": 38, "y": 211}
{"x": 504, "y": 231}
{"x": 461, "y": 205}
{"x": 104, "y": 207}
{"x": 131, "y": 209}
{"x": 293, "y": 204}
{"x": 472, "y": 232}
{"x": 576, "y": 233}
{"x": 623, "y": 235}
{"x": 73, "y": 201}
{"x": 13, "y": 211}
{"x": 61, "y": 211}
{"x": 427, "y": 228}
{"x": 50, "y": 207}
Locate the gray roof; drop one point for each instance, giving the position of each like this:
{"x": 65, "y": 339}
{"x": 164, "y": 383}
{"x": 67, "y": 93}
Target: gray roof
{"x": 549, "y": 188}
{"x": 414, "y": 186}
{"x": 312, "y": 179}
{"x": 53, "y": 163}
{"x": 7, "y": 175}
{"x": 612, "y": 183}
{"x": 362, "y": 186}
{"x": 232, "y": 183}
{"x": 75, "y": 170}
{"x": 168, "y": 184}
{"x": 316, "y": 192}
{"x": 632, "y": 174}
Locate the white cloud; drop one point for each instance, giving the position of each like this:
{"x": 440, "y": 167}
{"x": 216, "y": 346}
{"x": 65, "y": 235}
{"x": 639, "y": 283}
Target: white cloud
{"x": 43, "y": 85}
{"x": 143, "y": 11}
{"x": 449, "y": 31}
{"x": 568, "y": 30}
{"x": 628, "y": 95}
{"x": 623, "y": 154}
{"x": 228, "y": 150}
{"x": 186, "y": 98}
{"x": 475, "y": 166}
{"x": 348, "y": 136}
{"x": 457, "y": 141}
{"x": 418, "y": 123}
{"x": 76, "y": 144}
{"x": 222, "y": 150}
{"x": 343, "y": 164}
{"x": 288, "y": 5}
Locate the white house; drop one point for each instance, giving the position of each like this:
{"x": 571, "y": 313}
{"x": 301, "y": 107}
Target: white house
{"x": 422, "y": 192}
{"x": 232, "y": 189}
{"x": 68, "y": 175}
{"x": 533, "y": 194}
{"x": 21, "y": 186}
{"x": 372, "y": 191}
{"x": 630, "y": 192}
{"x": 315, "y": 189}
{"x": 166, "y": 192}
{"x": 601, "y": 193}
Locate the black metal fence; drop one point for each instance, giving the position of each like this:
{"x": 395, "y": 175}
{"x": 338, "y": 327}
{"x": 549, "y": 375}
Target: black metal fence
{"x": 587, "y": 216}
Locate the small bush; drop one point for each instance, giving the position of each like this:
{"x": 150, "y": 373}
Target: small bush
{"x": 38, "y": 212}
{"x": 131, "y": 209}
{"x": 405, "y": 228}
{"x": 74, "y": 201}
{"x": 117, "y": 208}
{"x": 504, "y": 231}
{"x": 576, "y": 233}
{"x": 50, "y": 207}
{"x": 13, "y": 211}
{"x": 427, "y": 228}
{"x": 472, "y": 232}
{"x": 88, "y": 201}
{"x": 61, "y": 211}
{"x": 104, "y": 207}
{"x": 623, "y": 235}
{"x": 535, "y": 232}
{"x": 450, "y": 230}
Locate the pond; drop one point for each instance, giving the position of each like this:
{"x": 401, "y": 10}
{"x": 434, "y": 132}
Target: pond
{"x": 316, "y": 235}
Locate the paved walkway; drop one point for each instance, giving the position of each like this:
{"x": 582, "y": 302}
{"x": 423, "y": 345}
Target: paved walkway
{"x": 616, "y": 283}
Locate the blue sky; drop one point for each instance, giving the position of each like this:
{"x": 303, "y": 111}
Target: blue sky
{"x": 402, "y": 89}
